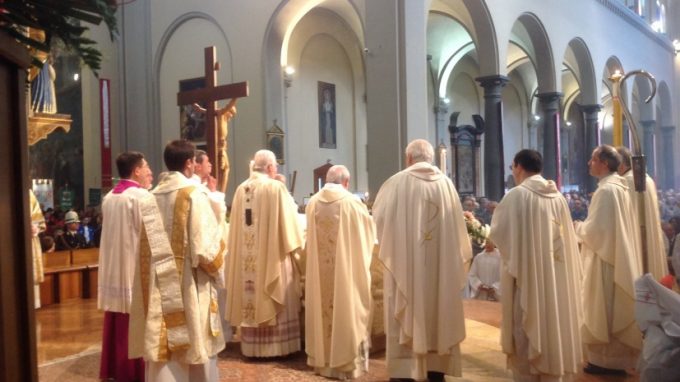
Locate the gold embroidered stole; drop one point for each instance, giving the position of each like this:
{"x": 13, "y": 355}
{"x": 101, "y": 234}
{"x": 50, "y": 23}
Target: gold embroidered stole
{"x": 168, "y": 259}
{"x": 37, "y": 218}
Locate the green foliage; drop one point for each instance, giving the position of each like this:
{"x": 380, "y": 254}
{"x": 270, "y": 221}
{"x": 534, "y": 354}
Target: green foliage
{"x": 59, "y": 19}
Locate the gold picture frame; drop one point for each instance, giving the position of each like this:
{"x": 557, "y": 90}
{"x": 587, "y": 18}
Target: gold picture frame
{"x": 275, "y": 140}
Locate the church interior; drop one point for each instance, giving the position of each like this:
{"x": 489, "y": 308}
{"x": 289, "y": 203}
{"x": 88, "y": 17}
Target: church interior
{"x": 319, "y": 83}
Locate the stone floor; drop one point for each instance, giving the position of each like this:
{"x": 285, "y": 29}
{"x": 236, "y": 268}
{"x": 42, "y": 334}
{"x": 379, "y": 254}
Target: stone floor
{"x": 69, "y": 344}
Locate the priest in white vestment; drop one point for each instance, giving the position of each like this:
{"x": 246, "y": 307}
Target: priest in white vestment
{"x": 423, "y": 246}
{"x": 612, "y": 263}
{"x": 118, "y": 253}
{"x": 657, "y": 264}
{"x": 540, "y": 276}
{"x": 484, "y": 277}
{"x": 175, "y": 322}
{"x": 203, "y": 178}
{"x": 263, "y": 290}
{"x": 340, "y": 241}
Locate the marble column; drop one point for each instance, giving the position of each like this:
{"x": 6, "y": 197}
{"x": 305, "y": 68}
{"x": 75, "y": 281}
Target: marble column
{"x": 494, "y": 181}
{"x": 667, "y": 157}
{"x": 550, "y": 109}
{"x": 647, "y": 136}
{"x": 591, "y": 140}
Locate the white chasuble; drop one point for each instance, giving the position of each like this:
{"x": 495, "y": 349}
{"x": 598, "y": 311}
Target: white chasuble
{"x": 340, "y": 241}
{"x": 423, "y": 246}
{"x": 175, "y": 323}
{"x": 656, "y": 249}
{"x": 540, "y": 282}
{"x": 612, "y": 263}
{"x": 263, "y": 294}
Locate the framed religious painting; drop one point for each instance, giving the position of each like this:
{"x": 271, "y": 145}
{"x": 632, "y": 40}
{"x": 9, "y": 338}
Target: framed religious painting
{"x": 191, "y": 118}
{"x": 275, "y": 142}
{"x": 327, "y": 110}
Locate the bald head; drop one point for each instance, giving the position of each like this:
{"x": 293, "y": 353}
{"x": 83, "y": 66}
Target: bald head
{"x": 338, "y": 174}
{"x": 419, "y": 150}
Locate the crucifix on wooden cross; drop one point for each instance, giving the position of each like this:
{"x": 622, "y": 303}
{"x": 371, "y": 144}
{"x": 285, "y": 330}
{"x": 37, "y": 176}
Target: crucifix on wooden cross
{"x": 216, "y": 131}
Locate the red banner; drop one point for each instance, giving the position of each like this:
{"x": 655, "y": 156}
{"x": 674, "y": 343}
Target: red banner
{"x": 105, "y": 119}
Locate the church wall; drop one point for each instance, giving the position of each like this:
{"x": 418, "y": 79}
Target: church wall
{"x": 604, "y": 33}
{"x": 183, "y": 59}
{"x": 323, "y": 59}
{"x": 92, "y": 111}
{"x": 514, "y": 123}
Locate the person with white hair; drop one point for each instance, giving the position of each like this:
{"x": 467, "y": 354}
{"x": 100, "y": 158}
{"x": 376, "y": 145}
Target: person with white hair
{"x": 423, "y": 246}
{"x": 263, "y": 297}
{"x": 340, "y": 240}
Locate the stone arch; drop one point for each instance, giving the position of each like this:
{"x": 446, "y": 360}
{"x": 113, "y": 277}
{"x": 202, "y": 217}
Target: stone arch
{"x": 583, "y": 65}
{"x": 540, "y": 49}
{"x": 277, "y": 37}
{"x": 170, "y": 32}
{"x": 474, "y": 15}
{"x": 324, "y": 48}
{"x": 664, "y": 101}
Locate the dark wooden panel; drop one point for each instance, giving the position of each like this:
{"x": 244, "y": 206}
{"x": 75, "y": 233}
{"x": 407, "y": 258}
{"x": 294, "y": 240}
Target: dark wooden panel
{"x": 17, "y": 325}
{"x": 48, "y": 291}
{"x": 70, "y": 284}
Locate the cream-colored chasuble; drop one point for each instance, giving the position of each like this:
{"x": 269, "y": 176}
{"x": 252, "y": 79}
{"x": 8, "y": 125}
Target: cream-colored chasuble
{"x": 340, "y": 241}
{"x": 540, "y": 281}
{"x": 612, "y": 263}
{"x": 263, "y": 294}
{"x": 423, "y": 245}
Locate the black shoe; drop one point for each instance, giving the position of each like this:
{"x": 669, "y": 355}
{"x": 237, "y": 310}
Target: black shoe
{"x": 435, "y": 376}
{"x": 599, "y": 370}
{"x": 402, "y": 380}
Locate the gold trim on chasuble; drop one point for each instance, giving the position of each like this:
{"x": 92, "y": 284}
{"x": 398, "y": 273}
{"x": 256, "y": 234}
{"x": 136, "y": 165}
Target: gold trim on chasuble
{"x": 179, "y": 223}
{"x": 249, "y": 260}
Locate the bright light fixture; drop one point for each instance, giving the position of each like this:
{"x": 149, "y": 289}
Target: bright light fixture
{"x": 289, "y": 70}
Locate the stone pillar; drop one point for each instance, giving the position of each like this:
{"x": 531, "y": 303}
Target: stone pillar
{"x": 667, "y": 157}
{"x": 494, "y": 181}
{"x": 591, "y": 140}
{"x": 647, "y": 137}
{"x": 396, "y": 84}
{"x": 550, "y": 108}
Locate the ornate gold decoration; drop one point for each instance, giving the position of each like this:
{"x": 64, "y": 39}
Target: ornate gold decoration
{"x": 40, "y": 125}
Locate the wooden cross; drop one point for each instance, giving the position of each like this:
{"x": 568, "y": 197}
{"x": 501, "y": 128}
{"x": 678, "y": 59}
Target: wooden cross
{"x": 208, "y": 95}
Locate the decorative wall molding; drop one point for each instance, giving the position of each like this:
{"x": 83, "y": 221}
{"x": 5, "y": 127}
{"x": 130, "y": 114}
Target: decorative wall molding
{"x": 632, "y": 18}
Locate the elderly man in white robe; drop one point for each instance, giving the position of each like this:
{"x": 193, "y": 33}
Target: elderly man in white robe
{"x": 423, "y": 246}
{"x": 612, "y": 263}
{"x": 118, "y": 253}
{"x": 485, "y": 274}
{"x": 175, "y": 322}
{"x": 656, "y": 249}
{"x": 340, "y": 241}
{"x": 540, "y": 276}
{"x": 263, "y": 288}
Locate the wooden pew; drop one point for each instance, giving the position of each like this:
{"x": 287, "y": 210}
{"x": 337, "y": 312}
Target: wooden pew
{"x": 69, "y": 275}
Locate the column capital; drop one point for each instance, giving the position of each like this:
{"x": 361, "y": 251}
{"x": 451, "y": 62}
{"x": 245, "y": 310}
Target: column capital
{"x": 648, "y": 124}
{"x": 549, "y": 96}
{"x": 492, "y": 84}
{"x": 549, "y": 101}
{"x": 668, "y": 129}
{"x": 595, "y": 108}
